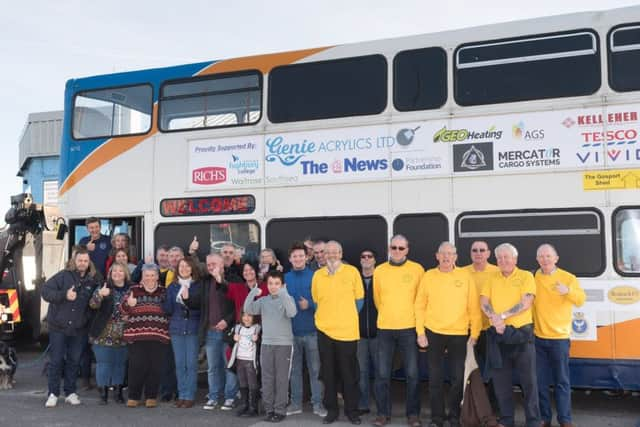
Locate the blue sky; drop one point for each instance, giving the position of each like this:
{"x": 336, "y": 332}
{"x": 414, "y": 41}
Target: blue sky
{"x": 43, "y": 43}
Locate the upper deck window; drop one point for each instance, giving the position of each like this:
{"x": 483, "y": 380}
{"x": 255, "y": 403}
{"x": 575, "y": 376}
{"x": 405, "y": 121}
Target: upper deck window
{"x": 624, "y": 58}
{"x": 328, "y": 89}
{"x": 527, "y": 68}
{"x": 112, "y": 112}
{"x": 420, "y": 79}
{"x": 223, "y": 100}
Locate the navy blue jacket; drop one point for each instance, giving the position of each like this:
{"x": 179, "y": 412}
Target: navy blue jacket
{"x": 184, "y": 320}
{"x": 368, "y": 315}
{"x": 299, "y": 285}
{"x": 68, "y": 317}
{"x": 100, "y": 254}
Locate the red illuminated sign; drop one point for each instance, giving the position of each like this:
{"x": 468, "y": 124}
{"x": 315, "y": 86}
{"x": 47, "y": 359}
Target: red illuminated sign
{"x": 196, "y": 206}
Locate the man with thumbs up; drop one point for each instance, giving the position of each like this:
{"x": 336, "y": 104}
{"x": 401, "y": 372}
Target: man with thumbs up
{"x": 98, "y": 245}
{"x": 305, "y": 339}
{"x": 557, "y": 291}
{"x": 68, "y": 293}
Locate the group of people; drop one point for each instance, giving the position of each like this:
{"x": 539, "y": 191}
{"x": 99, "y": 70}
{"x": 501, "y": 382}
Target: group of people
{"x": 260, "y": 327}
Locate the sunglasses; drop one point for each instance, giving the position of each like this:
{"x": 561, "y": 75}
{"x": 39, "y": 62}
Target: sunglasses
{"x": 398, "y": 248}
{"x": 478, "y": 250}
{"x": 366, "y": 256}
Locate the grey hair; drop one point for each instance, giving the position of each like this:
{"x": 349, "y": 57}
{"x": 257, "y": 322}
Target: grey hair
{"x": 214, "y": 254}
{"x": 447, "y": 244}
{"x": 334, "y": 242}
{"x": 151, "y": 267}
{"x": 400, "y": 236}
{"x": 546, "y": 246}
{"x": 176, "y": 249}
{"x": 506, "y": 247}
{"x": 273, "y": 254}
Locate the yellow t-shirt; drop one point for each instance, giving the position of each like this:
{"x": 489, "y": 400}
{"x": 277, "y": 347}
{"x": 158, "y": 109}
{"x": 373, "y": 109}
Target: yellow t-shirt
{"x": 447, "y": 303}
{"x": 480, "y": 277}
{"x": 505, "y": 292}
{"x": 394, "y": 294}
{"x": 335, "y": 297}
{"x": 552, "y": 311}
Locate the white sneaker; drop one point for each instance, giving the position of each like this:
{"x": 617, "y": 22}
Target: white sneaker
{"x": 228, "y": 405}
{"x": 319, "y": 410}
{"x": 72, "y": 399}
{"x": 294, "y": 409}
{"x": 52, "y": 401}
{"x": 210, "y": 405}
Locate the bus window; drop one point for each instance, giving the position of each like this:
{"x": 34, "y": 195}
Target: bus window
{"x": 328, "y": 89}
{"x": 212, "y": 236}
{"x": 222, "y": 100}
{"x": 527, "y": 68}
{"x": 624, "y": 58}
{"x": 577, "y": 235}
{"x": 354, "y": 233}
{"x": 131, "y": 226}
{"x": 112, "y": 112}
{"x": 626, "y": 235}
{"x": 425, "y": 233}
{"x": 420, "y": 79}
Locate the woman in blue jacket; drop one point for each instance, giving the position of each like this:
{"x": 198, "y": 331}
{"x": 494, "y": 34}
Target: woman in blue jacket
{"x": 183, "y": 328}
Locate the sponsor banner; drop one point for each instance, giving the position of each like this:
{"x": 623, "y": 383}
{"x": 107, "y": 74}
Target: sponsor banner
{"x": 620, "y": 179}
{"x": 327, "y": 156}
{"x": 225, "y": 163}
{"x": 414, "y": 154}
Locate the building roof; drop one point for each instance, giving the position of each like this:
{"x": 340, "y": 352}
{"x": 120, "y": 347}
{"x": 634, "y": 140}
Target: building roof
{"x": 40, "y": 138}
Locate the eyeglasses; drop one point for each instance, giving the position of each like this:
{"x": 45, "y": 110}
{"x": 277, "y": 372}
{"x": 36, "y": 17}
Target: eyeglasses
{"x": 478, "y": 250}
{"x": 366, "y": 256}
{"x": 398, "y": 248}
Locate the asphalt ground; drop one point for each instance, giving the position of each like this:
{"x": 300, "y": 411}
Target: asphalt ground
{"x": 24, "y": 406}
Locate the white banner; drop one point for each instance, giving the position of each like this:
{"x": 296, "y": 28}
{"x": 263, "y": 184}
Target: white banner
{"x": 227, "y": 163}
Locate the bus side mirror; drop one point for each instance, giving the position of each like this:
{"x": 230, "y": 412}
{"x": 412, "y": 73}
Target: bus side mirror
{"x": 61, "y": 228}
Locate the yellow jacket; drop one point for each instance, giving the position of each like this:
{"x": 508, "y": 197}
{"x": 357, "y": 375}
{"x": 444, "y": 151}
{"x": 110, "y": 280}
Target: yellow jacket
{"x": 552, "y": 312}
{"x": 394, "y": 294}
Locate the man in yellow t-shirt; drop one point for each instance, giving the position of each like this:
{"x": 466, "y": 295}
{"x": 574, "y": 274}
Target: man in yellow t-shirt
{"x": 557, "y": 291}
{"x": 337, "y": 291}
{"x": 395, "y": 284}
{"x": 446, "y": 310}
{"x": 506, "y": 299}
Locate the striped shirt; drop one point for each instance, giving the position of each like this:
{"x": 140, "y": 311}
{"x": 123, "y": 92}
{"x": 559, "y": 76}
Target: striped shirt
{"x": 146, "y": 321}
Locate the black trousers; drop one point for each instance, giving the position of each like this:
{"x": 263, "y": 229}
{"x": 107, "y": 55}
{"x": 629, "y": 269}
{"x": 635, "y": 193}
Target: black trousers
{"x": 456, "y": 350}
{"x": 247, "y": 374}
{"x": 146, "y": 363}
{"x": 339, "y": 364}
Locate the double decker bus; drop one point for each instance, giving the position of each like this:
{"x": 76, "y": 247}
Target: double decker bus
{"x": 523, "y": 132}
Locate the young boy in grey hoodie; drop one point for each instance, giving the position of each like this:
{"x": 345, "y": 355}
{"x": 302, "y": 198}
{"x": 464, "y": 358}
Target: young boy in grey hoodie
{"x": 277, "y": 309}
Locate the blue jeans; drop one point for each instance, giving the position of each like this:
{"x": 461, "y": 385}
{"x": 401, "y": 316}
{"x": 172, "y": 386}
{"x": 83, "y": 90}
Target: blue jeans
{"x": 185, "y": 351}
{"x": 64, "y": 353}
{"x": 552, "y": 366}
{"x": 214, "y": 347}
{"x": 305, "y": 347}
{"x": 405, "y": 341}
{"x": 230, "y": 378}
{"x": 111, "y": 364}
{"x": 368, "y": 360}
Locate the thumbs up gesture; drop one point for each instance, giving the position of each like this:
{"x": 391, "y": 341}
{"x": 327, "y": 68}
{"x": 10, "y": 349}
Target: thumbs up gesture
{"x": 303, "y": 303}
{"x": 258, "y": 291}
{"x": 71, "y": 294}
{"x": 91, "y": 246}
{"x": 194, "y": 246}
{"x": 131, "y": 300}
{"x": 104, "y": 291}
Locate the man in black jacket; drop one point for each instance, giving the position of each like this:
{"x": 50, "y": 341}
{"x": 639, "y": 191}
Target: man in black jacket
{"x": 217, "y": 314}
{"x": 68, "y": 293}
{"x": 368, "y": 343}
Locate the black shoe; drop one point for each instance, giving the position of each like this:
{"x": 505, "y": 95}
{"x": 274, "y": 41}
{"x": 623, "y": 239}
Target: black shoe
{"x": 104, "y": 395}
{"x": 276, "y": 418}
{"x": 364, "y": 411}
{"x": 330, "y": 418}
{"x": 355, "y": 420}
{"x": 119, "y": 398}
{"x": 252, "y": 410}
{"x": 166, "y": 398}
{"x": 269, "y": 417}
